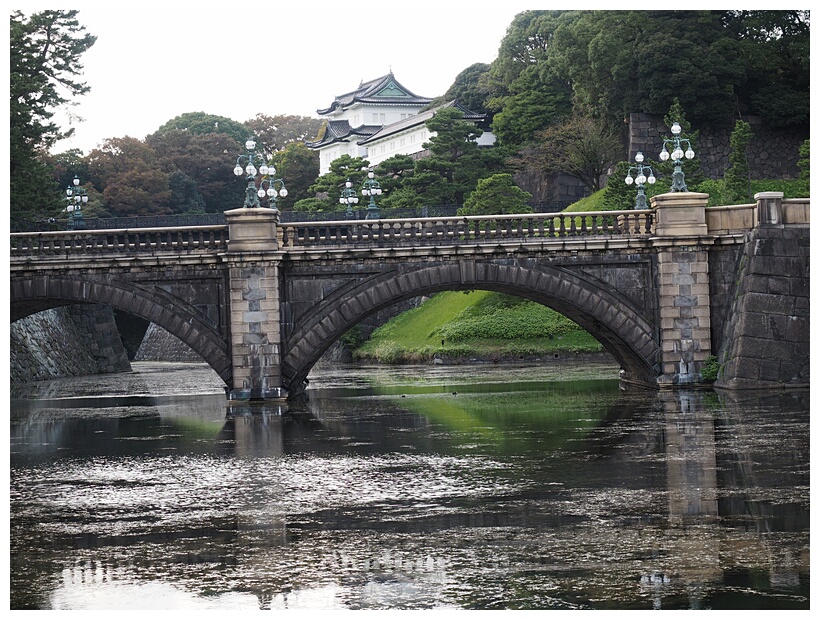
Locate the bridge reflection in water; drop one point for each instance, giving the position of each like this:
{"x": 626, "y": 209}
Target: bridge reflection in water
{"x": 354, "y": 499}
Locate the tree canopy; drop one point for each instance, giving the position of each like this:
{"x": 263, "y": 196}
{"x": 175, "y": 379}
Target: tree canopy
{"x": 45, "y": 69}
{"x": 609, "y": 63}
{"x": 557, "y": 94}
{"x": 497, "y": 195}
{"x": 274, "y": 133}
{"x": 203, "y": 123}
{"x": 581, "y": 146}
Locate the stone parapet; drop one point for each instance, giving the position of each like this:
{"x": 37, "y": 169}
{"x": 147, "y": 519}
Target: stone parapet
{"x": 680, "y": 214}
{"x": 252, "y": 230}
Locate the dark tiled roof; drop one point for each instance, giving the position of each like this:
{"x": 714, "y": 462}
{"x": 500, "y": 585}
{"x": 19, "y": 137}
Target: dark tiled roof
{"x": 385, "y": 90}
{"x": 336, "y": 131}
{"x": 420, "y": 119}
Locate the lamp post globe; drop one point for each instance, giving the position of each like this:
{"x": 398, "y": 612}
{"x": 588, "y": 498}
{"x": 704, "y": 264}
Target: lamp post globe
{"x": 371, "y": 188}
{"x": 348, "y": 198}
{"x": 76, "y": 197}
{"x": 676, "y": 145}
{"x": 269, "y": 187}
{"x": 640, "y": 179}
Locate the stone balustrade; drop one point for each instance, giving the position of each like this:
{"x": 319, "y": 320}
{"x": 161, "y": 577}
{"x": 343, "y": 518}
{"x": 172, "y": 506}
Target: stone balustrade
{"x": 178, "y": 240}
{"x": 465, "y": 229}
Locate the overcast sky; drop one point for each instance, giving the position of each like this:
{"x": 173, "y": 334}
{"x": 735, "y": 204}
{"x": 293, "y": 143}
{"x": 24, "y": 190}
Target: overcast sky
{"x": 154, "y": 61}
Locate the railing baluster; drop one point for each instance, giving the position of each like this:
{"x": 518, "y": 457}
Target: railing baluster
{"x": 340, "y": 234}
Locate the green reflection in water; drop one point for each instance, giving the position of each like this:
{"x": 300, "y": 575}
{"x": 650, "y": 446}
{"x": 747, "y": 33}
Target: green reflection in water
{"x": 510, "y": 415}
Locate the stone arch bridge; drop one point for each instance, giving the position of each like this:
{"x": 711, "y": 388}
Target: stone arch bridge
{"x": 261, "y": 301}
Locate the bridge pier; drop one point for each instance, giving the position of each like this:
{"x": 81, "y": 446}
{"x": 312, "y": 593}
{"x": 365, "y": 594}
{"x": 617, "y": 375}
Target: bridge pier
{"x": 682, "y": 241}
{"x": 253, "y": 267}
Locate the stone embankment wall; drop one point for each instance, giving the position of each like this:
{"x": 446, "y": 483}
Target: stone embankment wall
{"x": 84, "y": 340}
{"x": 773, "y": 154}
{"x": 159, "y": 345}
{"x": 773, "y": 151}
{"x": 765, "y": 341}
{"x": 66, "y": 342}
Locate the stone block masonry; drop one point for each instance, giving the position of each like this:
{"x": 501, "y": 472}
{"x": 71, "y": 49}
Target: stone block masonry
{"x": 766, "y": 341}
{"x": 159, "y": 345}
{"x": 683, "y": 291}
{"x": 66, "y": 342}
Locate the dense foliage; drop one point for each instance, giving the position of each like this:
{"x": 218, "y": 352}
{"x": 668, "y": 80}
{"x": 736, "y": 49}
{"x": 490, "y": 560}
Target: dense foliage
{"x": 44, "y": 65}
{"x": 496, "y": 195}
{"x": 507, "y": 317}
{"x": 611, "y": 63}
{"x": 557, "y": 93}
{"x": 737, "y": 179}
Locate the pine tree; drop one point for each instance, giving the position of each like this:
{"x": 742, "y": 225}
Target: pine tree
{"x": 738, "y": 187}
{"x": 44, "y": 63}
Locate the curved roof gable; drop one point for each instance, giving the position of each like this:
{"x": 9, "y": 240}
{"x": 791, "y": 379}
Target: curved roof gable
{"x": 385, "y": 89}
{"x": 420, "y": 119}
{"x": 338, "y": 131}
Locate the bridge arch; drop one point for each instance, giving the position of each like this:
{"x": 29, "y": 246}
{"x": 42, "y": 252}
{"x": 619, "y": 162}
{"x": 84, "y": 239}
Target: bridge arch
{"x": 35, "y": 293}
{"x": 602, "y": 311}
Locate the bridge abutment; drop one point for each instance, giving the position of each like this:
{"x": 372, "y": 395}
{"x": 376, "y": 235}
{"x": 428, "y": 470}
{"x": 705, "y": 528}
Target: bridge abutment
{"x": 253, "y": 268}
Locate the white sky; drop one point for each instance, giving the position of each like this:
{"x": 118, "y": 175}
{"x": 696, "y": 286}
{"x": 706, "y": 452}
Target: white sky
{"x": 154, "y": 61}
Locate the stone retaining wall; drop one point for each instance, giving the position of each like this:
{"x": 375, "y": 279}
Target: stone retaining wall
{"x": 159, "y": 345}
{"x": 766, "y": 338}
{"x": 66, "y": 342}
{"x": 773, "y": 151}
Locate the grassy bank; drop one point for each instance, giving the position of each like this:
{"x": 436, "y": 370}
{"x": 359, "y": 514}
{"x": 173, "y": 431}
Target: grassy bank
{"x": 478, "y": 324}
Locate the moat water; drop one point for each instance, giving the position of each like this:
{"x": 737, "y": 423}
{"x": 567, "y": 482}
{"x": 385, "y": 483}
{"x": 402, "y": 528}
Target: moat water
{"x": 435, "y": 488}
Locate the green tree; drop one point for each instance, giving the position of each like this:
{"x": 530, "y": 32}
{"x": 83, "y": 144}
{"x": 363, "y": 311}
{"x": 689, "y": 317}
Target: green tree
{"x": 67, "y": 165}
{"x": 497, "y": 195}
{"x": 203, "y": 123}
{"x": 469, "y": 89}
{"x": 298, "y": 167}
{"x": 44, "y": 68}
{"x": 185, "y": 196}
{"x": 274, "y": 133}
{"x": 392, "y": 174}
{"x": 310, "y": 205}
{"x": 580, "y": 146}
{"x": 207, "y": 160}
{"x": 737, "y": 178}
{"x": 804, "y": 162}
{"x": 525, "y": 93}
{"x": 128, "y": 173}
{"x": 776, "y": 48}
{"x": 456, "y": 162}
{"x": 612, "y": 59}
{"x": 328, "y": 186}
{"x": 537, "y": 100}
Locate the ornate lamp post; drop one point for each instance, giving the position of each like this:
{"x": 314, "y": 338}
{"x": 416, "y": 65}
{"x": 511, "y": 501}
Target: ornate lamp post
{"x": 252, "y": 194}
{"x": 76, "y": 197}
{"x": 640, "y": 179}
{"x": 348, "y": 197}
{"x": 371, "y": 187}
{"x": 678, "y": 182}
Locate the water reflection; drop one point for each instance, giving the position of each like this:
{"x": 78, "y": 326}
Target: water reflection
{"x": 467, "y": 492}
